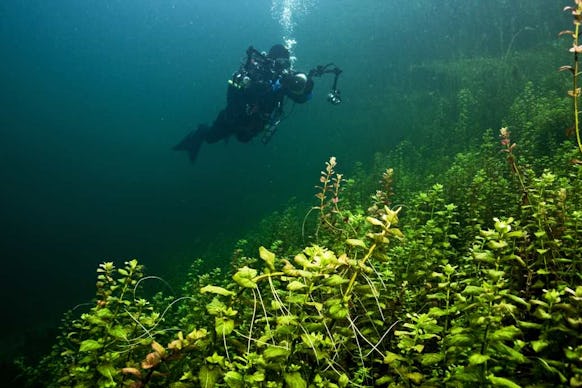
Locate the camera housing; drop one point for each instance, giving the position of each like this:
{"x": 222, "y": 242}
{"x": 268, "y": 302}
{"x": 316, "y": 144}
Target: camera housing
{"x": 334, "y": 97}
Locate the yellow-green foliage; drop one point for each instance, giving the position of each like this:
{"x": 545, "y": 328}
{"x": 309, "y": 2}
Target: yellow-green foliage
{"x": 403, "y": 299}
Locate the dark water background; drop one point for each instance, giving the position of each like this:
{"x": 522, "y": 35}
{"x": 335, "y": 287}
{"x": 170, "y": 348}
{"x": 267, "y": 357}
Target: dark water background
{"x": 94, "y": 94}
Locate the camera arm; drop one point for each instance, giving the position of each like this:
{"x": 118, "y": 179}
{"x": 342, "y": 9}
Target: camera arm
{"x": 334, "y": 94}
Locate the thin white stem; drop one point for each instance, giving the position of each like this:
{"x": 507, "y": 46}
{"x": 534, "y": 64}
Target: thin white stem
{"x": 252, "y": 320}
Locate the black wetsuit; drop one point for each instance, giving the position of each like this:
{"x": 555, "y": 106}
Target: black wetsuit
{"x": 255, "y": 97}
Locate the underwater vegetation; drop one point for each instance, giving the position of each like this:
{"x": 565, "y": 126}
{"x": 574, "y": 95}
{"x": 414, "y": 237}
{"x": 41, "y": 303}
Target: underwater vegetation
{"x": 428, "y": 293}
{"x": 419, "y": 294}
{"x": 438, "y": 266}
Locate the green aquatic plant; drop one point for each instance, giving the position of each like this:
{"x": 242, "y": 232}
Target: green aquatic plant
{"x": 484, "y": 342}
{"x": 508, "y": 147}
{"x": 414, "y": 295}
{"x": 538, "y": 118}
{"x": 383, "y": 196}
{"x": 311, "y": 313}
{"x": 467, "y": 106}
{"x": 328, "y": 197}
{"x": 431, "y": 235}
{"x": 104, "y": 336}
{"x": 334, "y": 223}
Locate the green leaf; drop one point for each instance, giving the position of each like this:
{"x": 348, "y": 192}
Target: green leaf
{"x": 335, "y": 280}
{"x": 118, "y": 332}
{"x": 295, "y": 285}
{"x": 572, "y": 354}
{"x": 356, "y": 243}
{"x": 486, "y": 256}
{"x": 418, "y": 348}
{"x": 505, "y": 333}
{"x": 257, "y": 377}
{"x": 123, "y": 272}
{"x": 459, "y": 339}
{"x": 338, "y": 310}
{"x": 312, "y": 340}
{"x": 576, "y": 381}
{"x": 107, "y": 370}
{"x": 383, "y": 381}
{"x": 449, "y": 269}
{"x": 234, "y": 379}
{"x": 215, "y": 307}
{"x": 374, "y": 221}
{"x": 519, "y": 300}
{"x": 216, "y": 290}
{"x": 208, "y": 377}
{"x": 436, "y": 311}
{"x": 285, "y": 320}
{"x": 89, "y": 345}
{"x": 478, "y": 359}
{"x": 431, "y": 358}
{"x": 132, "y": 264}
{"x": 502, "y": 382}
{"x": 318, "y": 306}
{"x": 473, "y": 290}
{"x": 295, "y": 298}
{"x": 497, "y": 244}
{"x": 104, "y": 313}
{"x": 294, "y": 380}
{"x": 539, "y": 345}
{"x": 216, "y": 359}
{"x": 416, "y": 377}
{"x": 187, "y": 376}
{"x": 529, "y": 325}
{"x": 516, "y": 234}
{"x": 268, "y": 257}
{"x": 245, "y": 277}
{"x": 494, "y": 274}
{"x": 196, "y": 335}
{"x": 223, "y": 326}
{"x": 272, "y": 352}
{"x": 303, "y": 261}
{"x": 552, "y": 369}
{"x": 390, "y": 357}
{"x": 470, "y": 376}
{"x": 510, "y": 353}
{"x": 343, "y": 380}
{"x": 542, "y": 314}
{"x": 518, "y": 259}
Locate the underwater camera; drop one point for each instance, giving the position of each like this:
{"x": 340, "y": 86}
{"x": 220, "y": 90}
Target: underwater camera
{"x": 334, "y": 97}
{"x": 334, "y": 94}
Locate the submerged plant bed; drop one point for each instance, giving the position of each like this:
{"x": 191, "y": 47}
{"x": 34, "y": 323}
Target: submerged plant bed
{"x": 419, "y": 295}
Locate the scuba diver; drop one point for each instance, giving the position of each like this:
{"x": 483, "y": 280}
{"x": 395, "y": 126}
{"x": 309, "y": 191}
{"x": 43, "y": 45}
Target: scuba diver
{"x": 255, "y": 96}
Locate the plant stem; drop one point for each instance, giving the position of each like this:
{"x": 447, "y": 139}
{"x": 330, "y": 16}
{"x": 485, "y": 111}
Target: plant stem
{"x": 575, "y": 92}
{"x": 362, "y": 262}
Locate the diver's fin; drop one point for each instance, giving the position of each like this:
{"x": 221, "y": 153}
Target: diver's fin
{"x": 192, "y": 142}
